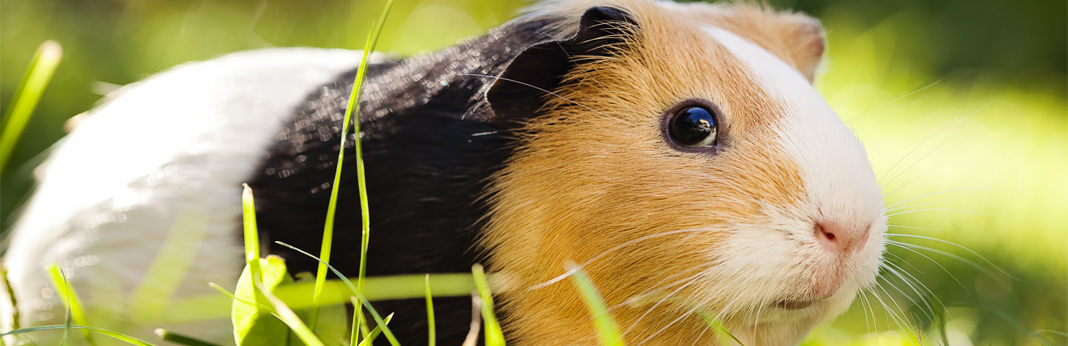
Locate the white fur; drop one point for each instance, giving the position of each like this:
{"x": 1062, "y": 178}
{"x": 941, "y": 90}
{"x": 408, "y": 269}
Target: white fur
{"x": 839, "y": 187}
{"x": 170, "y": 152}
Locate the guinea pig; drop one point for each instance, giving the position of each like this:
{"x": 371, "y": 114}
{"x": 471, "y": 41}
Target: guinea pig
{"x": 677, "y": 153}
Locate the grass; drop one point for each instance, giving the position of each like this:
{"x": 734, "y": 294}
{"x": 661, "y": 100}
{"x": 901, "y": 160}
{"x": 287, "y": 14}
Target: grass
{"x": 430, "y": 323}
{"x": 365, "y": 215}
{"x": 1032, "y": 246}
{"x": 494, "y": 335}
{"x": 27, "y": 96}
{"x": 607, "y": 330}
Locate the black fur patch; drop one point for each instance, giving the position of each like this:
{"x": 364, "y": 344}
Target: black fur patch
{"x": 431, "y": 143}
{"x": 429, "y": 147}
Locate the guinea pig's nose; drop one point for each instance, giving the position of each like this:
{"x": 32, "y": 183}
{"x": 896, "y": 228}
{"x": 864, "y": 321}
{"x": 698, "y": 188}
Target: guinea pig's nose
{"x": 835, "y": 238}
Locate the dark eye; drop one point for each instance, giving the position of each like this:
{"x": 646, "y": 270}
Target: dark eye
{"x": 693, "y": 127}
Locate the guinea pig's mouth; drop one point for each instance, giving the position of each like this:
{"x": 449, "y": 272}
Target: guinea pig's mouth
{"x": 794, "y": 304}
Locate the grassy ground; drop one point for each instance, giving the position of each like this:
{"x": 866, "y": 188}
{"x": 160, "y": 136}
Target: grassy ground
{"x": 976, "y": 155}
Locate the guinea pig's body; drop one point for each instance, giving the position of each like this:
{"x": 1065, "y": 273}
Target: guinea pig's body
{"x": 567, "y": 136}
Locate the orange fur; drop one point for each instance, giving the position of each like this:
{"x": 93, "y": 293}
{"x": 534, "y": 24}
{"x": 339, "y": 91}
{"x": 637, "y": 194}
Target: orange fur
{"x": 585, "y": 182}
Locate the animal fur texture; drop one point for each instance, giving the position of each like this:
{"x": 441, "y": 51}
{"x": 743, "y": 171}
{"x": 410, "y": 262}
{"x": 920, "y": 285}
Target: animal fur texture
{"x": 540, "y": 145}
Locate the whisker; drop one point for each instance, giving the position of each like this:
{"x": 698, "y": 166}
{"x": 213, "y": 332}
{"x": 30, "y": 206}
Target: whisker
{"x": 940, "y": 209}
{"x": 906, "y": 207}
{"x": 929, "y": 138}
{"x": 906, "y": 184}
{"x": 962, "y": 247}
{"x": 898, "y": 319}
{"x": 899, "y": 258}
{"x": 935, "y": 263}
{"x": 865, "y": 306}
{"x": 929, "y": 195}
{"x": 922, "y": 296}
{"x": 899, "y": 98}
{"x": 958, "y": 258}
{"x": 615, "y": 248}
{"x": 917, "y": 161}
{"x": 692, "y": 279}
{"x": 676, "y": 320}
{"x": 916, "y": 228}
{"x": 544, "y": 91}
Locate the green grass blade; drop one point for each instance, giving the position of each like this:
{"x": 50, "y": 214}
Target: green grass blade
{"x": 298, "y": 295}
{"x": 354, "y": 333}
{"x": 27, "y": 96}
{"x": 113, "y": 334}
{"x": 359, "y": 323}
{"x": 235, "y": 298}
{"x": 252, "y": 236}
{"x": 362, "y": 300}
{"x": 11, "y": 296}
{"x": 374, "y": 332}
{"x": 287, "y": 315}
{"x": 328, "y": 229}
{"x": 74, "y": 307}
{"x": 360, "y": 176}
{"x": 607, "y": 330}
{"x": 180, "y": 339}
{"x": 494, "y": 335}
{"x": 715, "y": 323}
{"x": 431, "y": 327}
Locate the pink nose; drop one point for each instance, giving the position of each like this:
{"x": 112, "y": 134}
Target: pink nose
{"x": 835, "y": 238}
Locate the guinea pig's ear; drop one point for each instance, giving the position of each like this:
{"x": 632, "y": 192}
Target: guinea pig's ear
{"x": 540, "y": 68}
{"x": 805, "y": 43}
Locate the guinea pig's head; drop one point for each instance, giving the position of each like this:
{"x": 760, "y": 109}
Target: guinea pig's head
{"x": 681, "y": 157}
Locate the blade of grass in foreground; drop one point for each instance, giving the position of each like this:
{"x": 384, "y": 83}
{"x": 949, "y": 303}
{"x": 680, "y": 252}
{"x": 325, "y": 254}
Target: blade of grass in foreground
{"x": 288, "y": 316}
{"x": 359, "y": 297}
{"x": 374, "y": 332}
{"x": 494, "y": 335}
{"x": 11, "y": 297}
{"x": 69, "y": 297}
{"x": 365, "y": 214}
{"x": 27, "y": 95}
{"x": 180, "y": 339}
{"x": 252, "y": 236}
{"x": 431, "y": 328}
{"x": 606, "y": 327}
{"x": 328, "y": 228}
{"x": 715, "y": 323}
{"x": 116, "y": 335}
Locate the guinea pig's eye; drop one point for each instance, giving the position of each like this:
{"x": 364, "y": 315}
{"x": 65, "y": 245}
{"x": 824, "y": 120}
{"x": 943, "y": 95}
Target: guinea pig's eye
{"x": 693, "y": 127}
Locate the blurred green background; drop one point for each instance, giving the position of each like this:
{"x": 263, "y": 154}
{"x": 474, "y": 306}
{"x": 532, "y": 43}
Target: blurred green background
{"x": 960, "y": 103}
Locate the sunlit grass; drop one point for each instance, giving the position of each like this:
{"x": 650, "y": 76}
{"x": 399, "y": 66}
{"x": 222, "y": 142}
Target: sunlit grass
{"x": 365, "y": 215}
{"x": 1013, "y": 152}
{"x": 995, "y": 176}
{"x": 27, "y": 95}
{"x": 493, "y": 333}
{"x": 607, "y": 330}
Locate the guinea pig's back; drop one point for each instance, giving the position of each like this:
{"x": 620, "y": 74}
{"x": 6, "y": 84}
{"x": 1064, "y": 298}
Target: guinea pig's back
{"x": 167, "y": 156}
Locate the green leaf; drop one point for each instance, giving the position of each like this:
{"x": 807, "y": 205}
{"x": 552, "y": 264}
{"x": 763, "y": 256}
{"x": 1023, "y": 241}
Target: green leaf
{"x": 287, "y": 315}
{"x": 333, "y": 326}
{"x": 253, "y": 324}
